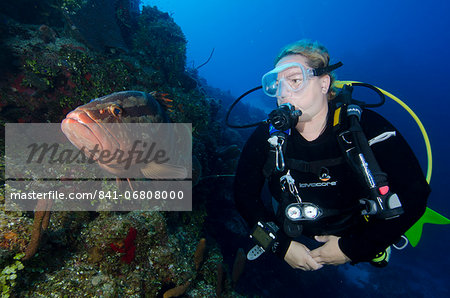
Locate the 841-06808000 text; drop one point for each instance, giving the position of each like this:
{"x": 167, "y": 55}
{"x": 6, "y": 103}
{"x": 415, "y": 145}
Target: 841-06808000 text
{"x": 143, "y": 195}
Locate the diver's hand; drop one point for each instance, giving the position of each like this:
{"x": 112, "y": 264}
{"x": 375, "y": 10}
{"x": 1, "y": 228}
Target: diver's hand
{"x": 329, "y": 253}
{"x": 297, "y": 256}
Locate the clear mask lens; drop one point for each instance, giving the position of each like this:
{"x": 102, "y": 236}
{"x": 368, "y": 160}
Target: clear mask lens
{"x": 291, "y": 77}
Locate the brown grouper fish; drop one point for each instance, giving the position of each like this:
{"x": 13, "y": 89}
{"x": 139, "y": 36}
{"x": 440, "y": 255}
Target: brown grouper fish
{"x": 102, "y": 124}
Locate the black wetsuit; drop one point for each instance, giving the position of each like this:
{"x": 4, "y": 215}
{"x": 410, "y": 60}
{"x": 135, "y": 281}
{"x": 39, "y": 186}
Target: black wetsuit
{"x": 361, "y": 240}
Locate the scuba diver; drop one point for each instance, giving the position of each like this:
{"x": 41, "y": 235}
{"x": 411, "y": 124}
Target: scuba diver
{"x": 339, "y": 174}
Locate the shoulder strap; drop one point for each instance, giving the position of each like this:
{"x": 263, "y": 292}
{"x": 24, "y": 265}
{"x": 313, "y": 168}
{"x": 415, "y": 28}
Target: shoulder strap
{"x": 355, "y": 147}
{"x": 315, "y": 167}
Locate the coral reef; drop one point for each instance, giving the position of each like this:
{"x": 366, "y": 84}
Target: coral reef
{"x": 199, "y": 253}
{"x": 40, "y": 224}
{"x": 127, "y": 247}
{"x": 8, "y": 275}
{"x": 49, "y": 72}
{"x": 97, "y": 21}
{"x": 161, "y": 44}
{"x": 220, "y": 280}
{"x": 51, "y": 63}
{"x": 238, "y": 266}
{"x": 177, "y": 291}
{"x": 163, "y": 259}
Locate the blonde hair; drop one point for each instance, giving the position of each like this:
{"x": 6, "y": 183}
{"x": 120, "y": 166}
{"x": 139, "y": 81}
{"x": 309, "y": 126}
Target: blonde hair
{"x": 317, "y": 57}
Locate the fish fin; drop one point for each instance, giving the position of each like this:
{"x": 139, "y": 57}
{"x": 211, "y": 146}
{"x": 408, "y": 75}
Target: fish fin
{"x": 164, "y": 171}
{"x": 163, "y": 99}
{"x": 430, "y": 216}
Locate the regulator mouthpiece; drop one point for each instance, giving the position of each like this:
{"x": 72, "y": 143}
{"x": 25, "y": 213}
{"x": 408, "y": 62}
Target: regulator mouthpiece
{"x": 284, "y": 117}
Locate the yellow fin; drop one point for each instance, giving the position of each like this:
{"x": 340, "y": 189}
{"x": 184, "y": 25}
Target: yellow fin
{"x": 164, "y": 171}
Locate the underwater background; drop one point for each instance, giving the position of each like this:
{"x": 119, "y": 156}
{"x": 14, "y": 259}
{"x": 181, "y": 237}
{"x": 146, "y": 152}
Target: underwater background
{"x": 399, "y": 46}
{"x": 58, "y": 54}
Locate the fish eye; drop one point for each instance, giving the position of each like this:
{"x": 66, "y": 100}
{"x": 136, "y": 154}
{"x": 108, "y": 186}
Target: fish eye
{"x": 116, "y": 110}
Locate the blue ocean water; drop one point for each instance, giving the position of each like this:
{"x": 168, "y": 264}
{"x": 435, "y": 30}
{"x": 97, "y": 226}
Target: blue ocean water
{"x": 400, "y": 46}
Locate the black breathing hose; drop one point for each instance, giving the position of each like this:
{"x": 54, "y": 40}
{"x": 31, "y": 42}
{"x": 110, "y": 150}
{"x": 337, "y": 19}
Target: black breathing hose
{"x": 235, "y": 103}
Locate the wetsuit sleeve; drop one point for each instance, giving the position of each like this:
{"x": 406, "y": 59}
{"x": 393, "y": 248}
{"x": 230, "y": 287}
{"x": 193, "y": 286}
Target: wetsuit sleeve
{"x": 249, "y": 179}
{"x": 249, "y": 182}
{"x": 405, "y": 178}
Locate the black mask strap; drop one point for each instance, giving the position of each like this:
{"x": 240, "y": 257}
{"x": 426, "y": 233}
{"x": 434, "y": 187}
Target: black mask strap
{"x": 323, "y": 70}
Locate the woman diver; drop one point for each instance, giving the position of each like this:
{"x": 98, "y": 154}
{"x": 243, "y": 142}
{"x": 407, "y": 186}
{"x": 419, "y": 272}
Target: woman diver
{"x": 316, "y": 191}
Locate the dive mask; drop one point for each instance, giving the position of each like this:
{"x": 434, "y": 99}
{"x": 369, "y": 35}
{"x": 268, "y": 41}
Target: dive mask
{"x": 292, "y": 77}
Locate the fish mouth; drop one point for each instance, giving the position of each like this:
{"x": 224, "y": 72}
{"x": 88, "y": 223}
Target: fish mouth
{"x": 87, "y": 134}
